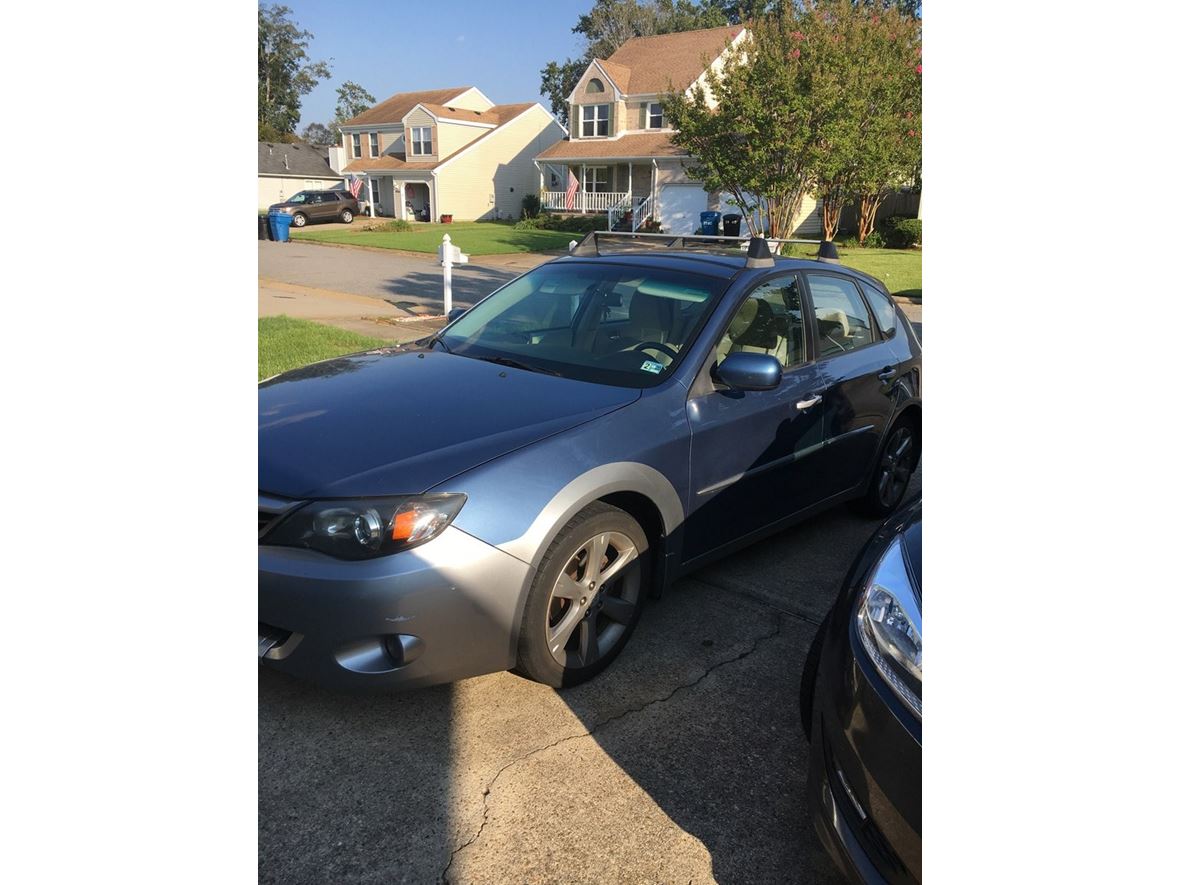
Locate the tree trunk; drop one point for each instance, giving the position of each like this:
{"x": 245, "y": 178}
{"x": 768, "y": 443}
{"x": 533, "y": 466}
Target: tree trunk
{"x": 833, "y": 204}
{"x": 866, "y": 216}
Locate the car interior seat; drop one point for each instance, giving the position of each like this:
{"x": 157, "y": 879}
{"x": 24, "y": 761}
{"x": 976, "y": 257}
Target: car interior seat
{"x": 755, "y": 329}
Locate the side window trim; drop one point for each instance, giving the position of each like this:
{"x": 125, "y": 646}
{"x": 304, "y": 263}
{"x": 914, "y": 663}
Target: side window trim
{"x": 813, "y": 325}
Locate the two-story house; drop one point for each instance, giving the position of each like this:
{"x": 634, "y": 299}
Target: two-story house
{"x": 620, "y": 148}
{"x": 452, "y": 152}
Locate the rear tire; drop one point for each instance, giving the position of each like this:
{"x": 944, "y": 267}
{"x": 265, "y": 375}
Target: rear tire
{"x": 586, "y": 598}
{"x": 346, "y": 216}
{"x": 298, "y": 219}
{"x": 891, "y": 474}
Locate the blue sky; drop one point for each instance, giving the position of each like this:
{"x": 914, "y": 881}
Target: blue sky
{"x": 498, "y": 45}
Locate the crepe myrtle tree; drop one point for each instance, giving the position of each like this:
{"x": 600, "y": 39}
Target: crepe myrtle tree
{"x": 752, "y": 127}
{"x": 866, "y": 59}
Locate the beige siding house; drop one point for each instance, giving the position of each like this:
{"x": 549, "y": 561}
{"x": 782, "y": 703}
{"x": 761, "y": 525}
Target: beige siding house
{"x": 286, "y": 169}
{"x": 447, "y": 152}
{"x": 620, "y": 149}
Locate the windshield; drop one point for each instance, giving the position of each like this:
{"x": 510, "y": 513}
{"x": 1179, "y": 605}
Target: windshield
{"x": 606, "y": 323}
{"x": 300, "y": 197}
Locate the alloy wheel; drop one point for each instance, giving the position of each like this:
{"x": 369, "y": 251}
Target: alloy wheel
{"x": 594, "y": 601}
{"x": 299, "y": 221}
{"x": 897, "y": 463}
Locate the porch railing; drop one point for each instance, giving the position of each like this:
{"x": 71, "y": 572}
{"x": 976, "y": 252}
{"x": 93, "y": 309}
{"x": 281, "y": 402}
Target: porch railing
{"x": 584, "y": 201}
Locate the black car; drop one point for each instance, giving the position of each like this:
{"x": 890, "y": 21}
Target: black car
{"x": 308, "y": 206}
{"x": 861, "y": 703}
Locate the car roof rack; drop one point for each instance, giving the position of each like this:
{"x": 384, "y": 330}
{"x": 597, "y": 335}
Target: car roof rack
{"x": 759, "y": 252}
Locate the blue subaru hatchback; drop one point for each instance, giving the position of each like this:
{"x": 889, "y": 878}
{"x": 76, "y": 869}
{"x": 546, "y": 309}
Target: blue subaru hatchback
{"x": 507, "y": 493}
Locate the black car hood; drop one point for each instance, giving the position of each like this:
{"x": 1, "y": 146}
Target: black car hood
{"x": 389, "y": 422}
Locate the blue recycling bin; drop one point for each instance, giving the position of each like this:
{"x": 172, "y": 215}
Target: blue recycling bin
{"x": 280, "y": 226}
{"x": 710, "y": 223}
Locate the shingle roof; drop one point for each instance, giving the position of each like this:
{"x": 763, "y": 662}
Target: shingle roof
{"x": 396, "y": 162}
{"x": 655, "y": 64}
{"x": 640, "y": 144}
{"x": 397, "y": 106}
{"x": 301, "y": 160}
{"x": 497, "y": 115}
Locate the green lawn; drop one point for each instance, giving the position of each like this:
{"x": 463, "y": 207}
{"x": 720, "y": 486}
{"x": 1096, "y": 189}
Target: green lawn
{"x": 473, "y": 237}
{"x": 285, "y": 343}
{"x": 899, "y": 269}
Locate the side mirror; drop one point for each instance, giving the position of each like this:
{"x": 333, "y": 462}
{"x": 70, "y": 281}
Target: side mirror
{"x": 455, "y": 314}
{"x": 749, "y": 371}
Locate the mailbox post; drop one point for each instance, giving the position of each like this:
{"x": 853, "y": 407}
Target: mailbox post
{"x": 448, "y": 256}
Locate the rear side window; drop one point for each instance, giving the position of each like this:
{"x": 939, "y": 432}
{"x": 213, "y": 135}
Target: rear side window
{"x": 883, "y": 310}
{"x": 840, "y": 315}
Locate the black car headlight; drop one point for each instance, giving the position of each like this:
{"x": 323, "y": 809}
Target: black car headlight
{"x": 889, "y": 624}
{"x": 367, "y": 527}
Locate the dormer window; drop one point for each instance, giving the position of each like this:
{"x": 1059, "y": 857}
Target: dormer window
{"x": 655, "y": 116}
{"x": 356, "y": 145}
{"x": 594, "y": 120}
{"x": 595, "y": 85}
{"x": 374, "y": 150}
{"x": 421, "y": 140}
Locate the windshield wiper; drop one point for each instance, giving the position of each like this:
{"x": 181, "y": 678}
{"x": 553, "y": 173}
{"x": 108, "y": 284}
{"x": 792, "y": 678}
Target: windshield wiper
{"x": 437, "y": 339}
{"x": 515, "y": 364}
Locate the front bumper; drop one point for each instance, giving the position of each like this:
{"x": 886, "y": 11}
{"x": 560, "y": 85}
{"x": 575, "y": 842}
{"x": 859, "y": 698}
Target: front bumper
{"x": 443, "y": 611}
{"x": 864, "y": 782}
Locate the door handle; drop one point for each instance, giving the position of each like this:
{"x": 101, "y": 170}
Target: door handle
{"x": 804, "y": 404}
{"x": 887, "y": 373}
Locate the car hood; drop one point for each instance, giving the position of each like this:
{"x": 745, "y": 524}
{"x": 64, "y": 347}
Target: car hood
{"x": 391, "y": 422}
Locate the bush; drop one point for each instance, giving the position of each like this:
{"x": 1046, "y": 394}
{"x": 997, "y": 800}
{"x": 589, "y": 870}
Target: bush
{"x": 528, "y": 224}
{"x": 396, "y": 226}
{"x": 530, "y": 206}
{"x": 902, "y": 233}
{"x": 874, "y": 240}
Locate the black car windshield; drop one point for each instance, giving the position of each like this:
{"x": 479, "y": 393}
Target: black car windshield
{"x": 606, "y": 323}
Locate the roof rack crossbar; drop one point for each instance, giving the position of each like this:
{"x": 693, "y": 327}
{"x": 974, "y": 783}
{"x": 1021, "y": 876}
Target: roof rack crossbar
{"x": 758, "y": 251}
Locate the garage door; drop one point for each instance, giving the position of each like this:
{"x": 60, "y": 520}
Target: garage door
{"x": 681, "y": 206}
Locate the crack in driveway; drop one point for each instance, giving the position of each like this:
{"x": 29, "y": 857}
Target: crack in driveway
{"x": 487, "y": 790}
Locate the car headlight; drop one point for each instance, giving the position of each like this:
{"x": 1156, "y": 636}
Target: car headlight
{"x": 889, "y": 623}
{"x": 367, "y": 527}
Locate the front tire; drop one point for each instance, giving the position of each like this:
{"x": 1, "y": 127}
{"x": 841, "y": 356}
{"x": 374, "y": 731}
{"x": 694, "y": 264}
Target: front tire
{"x": 586, "y": 598}
{"x": 346, "y": 216}
{"x": 892, "y": 472}
{"x": 299, "y": 219}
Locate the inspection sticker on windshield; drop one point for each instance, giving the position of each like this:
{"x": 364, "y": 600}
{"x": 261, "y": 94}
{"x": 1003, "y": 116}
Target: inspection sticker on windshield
{"x": 651, "y": 366}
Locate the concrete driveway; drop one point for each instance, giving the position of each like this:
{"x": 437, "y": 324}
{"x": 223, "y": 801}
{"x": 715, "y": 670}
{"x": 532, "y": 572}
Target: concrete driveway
{"x": 684, "y": 762}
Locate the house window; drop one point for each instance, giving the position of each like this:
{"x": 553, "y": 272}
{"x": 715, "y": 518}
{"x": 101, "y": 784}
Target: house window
{"x": 596, "y": 180}
{"x": 594, "y": 119}
{"x": 421, "y": 140}
{"x": 374, "y": 150}
{"x": 376, "y": 182}
{"x": 594, "y": 85}
{"x": 356, "y": 145}
{"x": 655, "y": 116}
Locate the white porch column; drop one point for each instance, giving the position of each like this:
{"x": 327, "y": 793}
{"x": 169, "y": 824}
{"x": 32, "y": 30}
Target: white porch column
{"x": 582, "y": 189}
{"x": 369, "y": 185}
{"x": 629, "y": 181}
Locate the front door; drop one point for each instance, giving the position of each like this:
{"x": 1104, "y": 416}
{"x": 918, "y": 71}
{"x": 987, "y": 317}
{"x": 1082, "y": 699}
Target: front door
{"x": 858, "y": 368}
{"x": 753, "y": 451}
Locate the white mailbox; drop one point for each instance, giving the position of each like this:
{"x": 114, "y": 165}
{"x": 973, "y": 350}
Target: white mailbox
{"x": 456, "y": 256}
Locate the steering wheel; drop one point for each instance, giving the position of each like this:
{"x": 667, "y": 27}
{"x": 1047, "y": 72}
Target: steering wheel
{"x": 657, "y": 345}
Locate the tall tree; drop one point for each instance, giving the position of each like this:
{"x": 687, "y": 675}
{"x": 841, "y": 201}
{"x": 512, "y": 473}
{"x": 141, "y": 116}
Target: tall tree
{"x": 558, "y": 81}
{"x": 351, "y": 99}
{"x": 285, "y": 72}
{"x": 318, "y": 134}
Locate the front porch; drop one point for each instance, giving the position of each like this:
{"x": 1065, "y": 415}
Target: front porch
{"x": 621, "y": 191}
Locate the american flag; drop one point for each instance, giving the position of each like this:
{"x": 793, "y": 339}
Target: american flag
{"x": 354, "y": 186}
{"x": 570, "y": 190}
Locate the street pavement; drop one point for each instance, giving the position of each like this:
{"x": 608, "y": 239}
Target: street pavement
{"x": 683, "y": 762}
